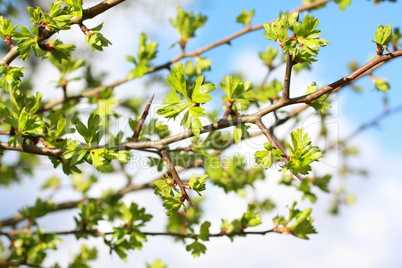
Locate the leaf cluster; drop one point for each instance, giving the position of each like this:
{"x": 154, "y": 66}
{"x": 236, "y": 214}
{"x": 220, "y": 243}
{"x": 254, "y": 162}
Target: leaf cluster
{"x": 193, "y": 96}
{"x": 298, "y": 223}
{"x": 304, "y": 44}
{"x": 147, "y": 50}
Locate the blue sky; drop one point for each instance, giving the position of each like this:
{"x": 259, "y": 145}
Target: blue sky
{"x": 365, "y": 234}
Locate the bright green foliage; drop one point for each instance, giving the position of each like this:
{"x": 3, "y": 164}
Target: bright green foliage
{"x": 231, "y": 174}
{"x": 28, "y": 40}
{"x": 343, "y": 4}
{"x": 82, "y": 183}
{"x": 268, "y": 91}
{"x": 196, "y": 248}
{"x": 267, "y": 157}
{"x": 58, "y": 50}
{"x": 59, "y": 15}
{"x": 306, "y": 186}
{"x": 25, "y": 122}
{"x": 381, "y": 84}
{"x": 10, "y": 77}
{"x": 147, "y": 50}
{"x": 304, "y": 46}
{"x": 298, "y": 223}
{"x": 100, "y": 157}
{"x": 194, "y": 95}
{"x": 204, "y": 231}
{"x": 89, "y": 216}
{"x": 95, "y": 39}
{"x": 201, "y": 65}
{"x": 86, "y": 254}
{"x": 171, "y": 195}
{"x": 67, "y": 66}
{"x": 235, "y": 89}
{"x": 268, "y": 56}
{"x": 32, "y": 247}
{"x": 319, "y": 104}
{"x": 40, "y": 209}
{"x": 6, "y": 28}
{"x": 245, "y": 17}
{"x": 301, "y": 153}
{"x": 383, "y": 36}
{"x": 250, "y": 218}
{"x": 129, "y": 236}
{"x": 52, "y": 183}
{"x": 186, "y": 23}
{"x": 157, "y": 264}
{"x": 197, "y": 184}
{"x": 94, "y": 132}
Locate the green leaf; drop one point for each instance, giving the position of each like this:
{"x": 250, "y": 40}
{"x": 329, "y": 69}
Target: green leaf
{"x": 204, "y": 231}
{"x": 304, "y": 46}
{"x": 343, "y": 4}
{"x": 383, "y": 35}
{"x": 245, "y": 17}
{"x": 95, "y": 39}
{"x": 186, "y": 23}
{"x": 302, "y": 153}
{"x": 197, "y": 184}
{"x": 381, "y": 84}
{"x": 81, "y": 183}
{"x": 267, "y": 157}
{"x": 319, "y": 104}
{"x": 200, "y": 91}
{"x": 11, "y": 77}
{"x": 196, "y": 248}
{"x": 268, "y": 56}
{"x": 172, "y": 204}
{"x": 147, "y": 50}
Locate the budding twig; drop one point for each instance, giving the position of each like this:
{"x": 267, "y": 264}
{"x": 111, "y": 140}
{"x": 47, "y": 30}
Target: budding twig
{"x": 142, "y": 120}
{"x": 175, "y": 175}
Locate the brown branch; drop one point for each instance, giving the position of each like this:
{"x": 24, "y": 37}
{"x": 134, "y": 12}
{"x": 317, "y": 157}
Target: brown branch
{"x": 270, "y": 137}
{"x": 181, "y": 56}
{"x": 87, "y": 93}
{"x": 172, "y": 234}
{"x": 228, "y": 39}
{"x": 32, "y": 149}
{"x": 89, "y": 13}
{"x": 175, "y": 175}
{"x": 288, "y": 74}
{"x": 221, "y": 124}
{"x": 363, "y": 70}
{"x": 142, "y": 120}
{"x": 73, "y": 204}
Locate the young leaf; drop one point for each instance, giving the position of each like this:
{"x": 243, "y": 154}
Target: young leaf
{"x": 245, "y": 17}
{"x": 186, "y": 23}
{"x": 196, "y": 248}
{"x": 319, "y": 104}
{"x": 302, "y": 153}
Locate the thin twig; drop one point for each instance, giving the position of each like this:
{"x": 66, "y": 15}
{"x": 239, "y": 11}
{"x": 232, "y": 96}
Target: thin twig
{"x": 175, "y": 175}
{"x": 270, "y": 137}
{"x": 142, "y": 120}
{"x": 89, "y": 13}
{"x": 167, "y": 65}
{"x": 288, "y": 74}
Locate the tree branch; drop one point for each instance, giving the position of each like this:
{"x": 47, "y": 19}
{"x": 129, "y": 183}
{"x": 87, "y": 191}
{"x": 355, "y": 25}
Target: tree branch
{"x": 175, "y": 175}
{"x": 87, "y": 14}
{"x": 288, "y": 74}
{"x": 142, "y": 120}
